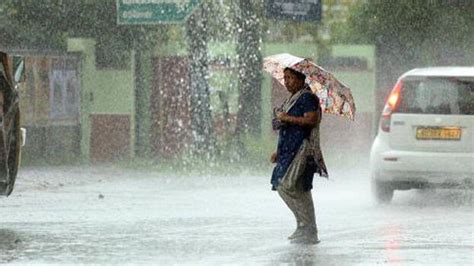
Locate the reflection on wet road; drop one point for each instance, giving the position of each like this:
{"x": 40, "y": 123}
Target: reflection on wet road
{"x": 148, "y": 218}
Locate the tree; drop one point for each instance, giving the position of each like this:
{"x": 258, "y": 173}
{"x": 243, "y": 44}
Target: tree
{"x": 201, "y": 119}
{"x": 410, "y": 34}
{"x": 249, "y": 62}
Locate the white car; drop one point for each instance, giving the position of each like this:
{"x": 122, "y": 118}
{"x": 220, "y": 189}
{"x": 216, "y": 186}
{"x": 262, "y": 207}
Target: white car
{"x": 426, "y": 133}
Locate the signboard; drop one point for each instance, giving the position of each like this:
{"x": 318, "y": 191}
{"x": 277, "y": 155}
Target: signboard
{"x": 299, "y": 10}
{"x": 138, "y": 12}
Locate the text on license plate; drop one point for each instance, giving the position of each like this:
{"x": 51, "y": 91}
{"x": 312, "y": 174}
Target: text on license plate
{"x": 442, "y": 133}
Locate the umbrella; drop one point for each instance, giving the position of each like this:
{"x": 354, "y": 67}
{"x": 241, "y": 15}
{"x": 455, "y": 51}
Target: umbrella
{"x": 334, "y": 96}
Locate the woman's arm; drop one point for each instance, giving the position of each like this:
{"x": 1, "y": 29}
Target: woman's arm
{"x": 309, "y": 119}
{"x": 273, "y": 157}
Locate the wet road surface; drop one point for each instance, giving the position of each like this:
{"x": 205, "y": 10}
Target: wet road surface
{"x": 105, "y": 215}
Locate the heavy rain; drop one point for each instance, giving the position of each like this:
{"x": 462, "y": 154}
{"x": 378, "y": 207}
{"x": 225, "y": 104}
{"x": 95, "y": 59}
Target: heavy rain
{"x": 199, "y": 132}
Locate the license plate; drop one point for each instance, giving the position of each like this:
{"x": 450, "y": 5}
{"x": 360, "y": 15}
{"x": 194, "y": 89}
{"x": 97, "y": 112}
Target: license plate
{"x": 441, "y": 133}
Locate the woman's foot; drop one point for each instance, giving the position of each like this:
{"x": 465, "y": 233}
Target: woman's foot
{"x": 306, "y": 240}
{"x": 297, "y": 233}
{"x": 307, "y": 236}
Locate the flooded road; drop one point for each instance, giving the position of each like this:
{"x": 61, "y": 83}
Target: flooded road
{"x": 106, "y": 215}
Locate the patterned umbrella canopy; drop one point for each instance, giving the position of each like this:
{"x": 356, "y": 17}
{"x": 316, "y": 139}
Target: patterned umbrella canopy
{"x": 335, "y": 97}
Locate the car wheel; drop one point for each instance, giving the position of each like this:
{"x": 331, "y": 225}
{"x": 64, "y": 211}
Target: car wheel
{"x": 382, "y": 191}
{"x": 14, "y": 151}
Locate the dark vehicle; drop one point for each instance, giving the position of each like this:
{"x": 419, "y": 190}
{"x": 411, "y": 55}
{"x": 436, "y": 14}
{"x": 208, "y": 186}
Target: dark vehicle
{"x": 12, "y": 136}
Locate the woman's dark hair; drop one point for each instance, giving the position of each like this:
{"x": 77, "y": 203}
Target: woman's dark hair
{"x": 298, "y": 74}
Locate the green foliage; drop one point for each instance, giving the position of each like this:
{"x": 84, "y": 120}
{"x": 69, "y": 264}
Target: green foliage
{"x": 425, "y": 30}
{"x": 221, "y": 23}
{"x": 401, "y": 19}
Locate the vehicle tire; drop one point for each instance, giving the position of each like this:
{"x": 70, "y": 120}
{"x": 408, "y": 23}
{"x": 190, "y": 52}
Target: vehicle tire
{"x": 14, "y": 151}
{"x": 382, "y": 191}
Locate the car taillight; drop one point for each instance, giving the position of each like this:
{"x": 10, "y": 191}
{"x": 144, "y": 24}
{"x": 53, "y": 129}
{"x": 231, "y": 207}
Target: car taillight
{"x": 391, "y": 105}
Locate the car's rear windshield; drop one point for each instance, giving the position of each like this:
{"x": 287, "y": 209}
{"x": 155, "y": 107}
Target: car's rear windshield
{"x": 440, "y": 95}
